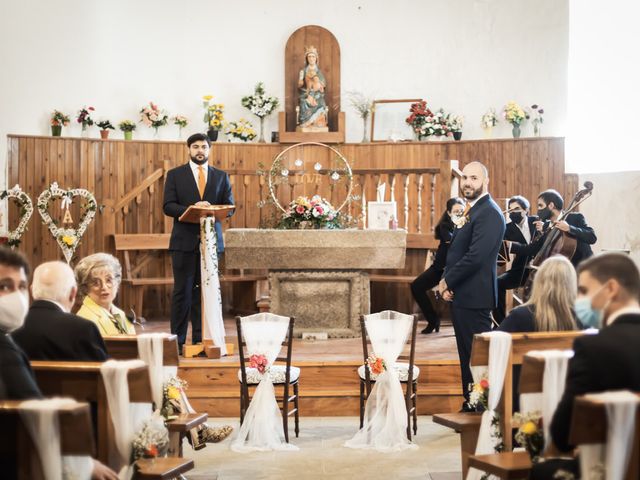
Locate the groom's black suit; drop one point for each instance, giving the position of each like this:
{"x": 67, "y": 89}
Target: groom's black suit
{"x": 471, "y": 274}
{"x": 180, "y": 192}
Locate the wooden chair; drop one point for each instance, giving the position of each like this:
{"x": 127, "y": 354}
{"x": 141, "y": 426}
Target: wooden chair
{"x": 125, "y": 347}
{"x": 408, "y": 376}
{"x": 76, "y": 437}
{"x": 289, "y": 381}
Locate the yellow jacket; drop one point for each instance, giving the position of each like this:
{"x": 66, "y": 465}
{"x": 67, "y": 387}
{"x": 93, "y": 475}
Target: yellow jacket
{"x": 110, "y": 323}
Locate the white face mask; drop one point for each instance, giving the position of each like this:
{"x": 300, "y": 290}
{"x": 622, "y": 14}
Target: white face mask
{"x": 13, "y": 310}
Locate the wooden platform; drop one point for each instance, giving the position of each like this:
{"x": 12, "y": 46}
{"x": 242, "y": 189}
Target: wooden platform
{"x": 329, "y": 380}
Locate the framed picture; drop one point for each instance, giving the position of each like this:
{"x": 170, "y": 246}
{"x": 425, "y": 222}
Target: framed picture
{"x": 379, "y": 214}
{"x": 388, "y": 120}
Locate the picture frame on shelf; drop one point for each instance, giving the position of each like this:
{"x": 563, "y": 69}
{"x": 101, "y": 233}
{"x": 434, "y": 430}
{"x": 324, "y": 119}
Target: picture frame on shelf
{"x": 379, "y": 214}
{"x": 388, "y": 120}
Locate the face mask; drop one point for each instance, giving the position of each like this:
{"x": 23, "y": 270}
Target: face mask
{"x": 589, "y": 317}
{"x": 516, "y": 217}
{"x": 544, "y": 214}
{"x": 13, "y": 310}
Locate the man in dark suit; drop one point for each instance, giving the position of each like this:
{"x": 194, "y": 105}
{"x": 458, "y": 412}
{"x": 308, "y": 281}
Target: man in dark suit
{"x": 470, "y": 276}
{"x": 194, "y": 183}
{"x": 50, "y": 332}
{"x": 520, "y": 229}
{"x": 609, "y": 290}
{"x": 550, "y": 205}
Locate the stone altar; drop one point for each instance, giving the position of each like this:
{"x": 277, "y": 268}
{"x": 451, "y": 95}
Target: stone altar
{"x": 317, "y": 276}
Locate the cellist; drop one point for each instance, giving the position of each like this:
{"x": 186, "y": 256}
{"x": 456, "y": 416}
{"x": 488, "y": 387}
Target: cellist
{"x": 550, "y": 205}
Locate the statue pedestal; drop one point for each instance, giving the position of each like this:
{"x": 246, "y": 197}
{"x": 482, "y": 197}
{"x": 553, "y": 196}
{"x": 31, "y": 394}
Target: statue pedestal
{"x": 317, "y": 276}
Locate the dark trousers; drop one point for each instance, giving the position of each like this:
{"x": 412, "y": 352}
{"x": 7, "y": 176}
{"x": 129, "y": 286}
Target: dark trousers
{"x": 466, "y": 323}
{"x": 419, "y": 288}
{"x": 186, "y": 300}
{"x": 507, "y": 281}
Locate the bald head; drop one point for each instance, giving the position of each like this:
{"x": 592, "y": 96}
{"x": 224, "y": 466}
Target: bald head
{"x": 475, "y": 180}
{"x": 54, "y": 281}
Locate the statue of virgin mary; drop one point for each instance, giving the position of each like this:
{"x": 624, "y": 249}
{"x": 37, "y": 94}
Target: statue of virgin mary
{"x": 312, "y": 111}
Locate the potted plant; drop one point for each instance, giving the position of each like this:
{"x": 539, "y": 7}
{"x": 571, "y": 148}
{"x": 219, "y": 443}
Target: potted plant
{"x": 84, "y": 118}
{"x": 364, "y": 106}
{"x": 488, "y": 121}
{"x": 105, "y": 126}
{"x": 181, "y": 121}
{"x": 58, "y": 120}
{"x": 515, "y": 115}
{"x": 127, "y": 126}
{"x": 455, "y": 125}
{"x": 152, "y": 116}
{"x": 241, "y": 130}
{"x": 260, "y": 105}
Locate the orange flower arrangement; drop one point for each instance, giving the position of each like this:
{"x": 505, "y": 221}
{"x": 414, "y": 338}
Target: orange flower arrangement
{"x": 376, "y": 364}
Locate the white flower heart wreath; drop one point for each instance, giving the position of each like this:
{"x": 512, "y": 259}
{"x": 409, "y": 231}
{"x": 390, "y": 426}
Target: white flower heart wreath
{"x": 24, "y": 203}
{"x": 67, "y": 237}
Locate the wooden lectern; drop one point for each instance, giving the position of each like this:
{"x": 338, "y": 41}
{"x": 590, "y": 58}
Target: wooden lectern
{"x": 193, "y": 214}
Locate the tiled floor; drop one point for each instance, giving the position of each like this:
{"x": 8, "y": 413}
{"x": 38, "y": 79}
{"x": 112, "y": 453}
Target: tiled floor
{"x": 323, "y": 456}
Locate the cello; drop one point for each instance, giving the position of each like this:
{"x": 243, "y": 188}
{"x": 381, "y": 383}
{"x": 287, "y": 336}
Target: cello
{"x": 557, "y": 242}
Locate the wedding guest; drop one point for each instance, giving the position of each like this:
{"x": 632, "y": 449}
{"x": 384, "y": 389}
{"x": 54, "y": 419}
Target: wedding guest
{"x": 51, "y": 331}
{"x": 431, "y": 277}
{"x": 98, "y": 277}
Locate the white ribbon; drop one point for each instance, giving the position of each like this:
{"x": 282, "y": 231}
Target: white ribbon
{"x": 210, "y": 285}
{"x": 151, "y": 350}
{"x": 66, "y": 201}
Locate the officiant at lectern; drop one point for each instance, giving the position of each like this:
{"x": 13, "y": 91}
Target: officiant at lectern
{"x": 200, "y": 184}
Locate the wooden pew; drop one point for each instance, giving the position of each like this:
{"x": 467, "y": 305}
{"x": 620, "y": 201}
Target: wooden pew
{"x": 468, "y": 424}
{"x": 76, "y": 437}
{"x": 589, "y": 425}
{"x": 125, "y": 347}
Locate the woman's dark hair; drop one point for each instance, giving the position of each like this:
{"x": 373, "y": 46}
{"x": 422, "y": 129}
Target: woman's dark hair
{"x": 445, "y": 219}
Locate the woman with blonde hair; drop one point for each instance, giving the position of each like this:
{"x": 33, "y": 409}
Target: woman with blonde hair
{"x": 550, "y": 307}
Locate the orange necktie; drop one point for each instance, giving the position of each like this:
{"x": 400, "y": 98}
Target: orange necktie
{"x": 201, "y": 181}
{"x": 466, "y": 209}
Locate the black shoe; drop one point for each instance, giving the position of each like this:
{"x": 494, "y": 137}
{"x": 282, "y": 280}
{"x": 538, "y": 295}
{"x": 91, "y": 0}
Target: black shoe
{"x": 466, "y": 408}
{"x": 431, "y": 327}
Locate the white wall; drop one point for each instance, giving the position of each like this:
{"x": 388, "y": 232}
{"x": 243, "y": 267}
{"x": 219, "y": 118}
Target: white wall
{"x": 463, "y": 55}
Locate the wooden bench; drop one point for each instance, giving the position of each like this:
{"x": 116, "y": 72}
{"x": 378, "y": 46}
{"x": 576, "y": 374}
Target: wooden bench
{"x": 76, "y": 437}
{"x": 147, "y": 246}
{"x": 125, "y": 347}
{"x": 521, "y": 344}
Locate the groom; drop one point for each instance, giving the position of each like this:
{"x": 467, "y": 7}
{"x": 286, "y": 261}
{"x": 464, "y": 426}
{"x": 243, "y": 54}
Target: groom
{"x": 470, "y": 276}
{"x": 194, "y": 183}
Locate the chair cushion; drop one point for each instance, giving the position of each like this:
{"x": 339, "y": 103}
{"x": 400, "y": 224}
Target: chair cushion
{"x": 401, "y": 368}
{"x": 276, "y": 372}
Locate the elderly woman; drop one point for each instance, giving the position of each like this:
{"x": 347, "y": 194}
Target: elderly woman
{"x": 98, "y": 277}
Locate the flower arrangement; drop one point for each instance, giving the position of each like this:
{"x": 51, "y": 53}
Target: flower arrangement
{"x": 537, "y": 112}
{"x": 419, "y": 112}
{"x": 105, "y": 125}
{"x": 479, "y": 394}
{"x": 530, "y": 434}
{"x": 59, "y": 119}
{"x": 364, "y": 106}
{"x": 316, "y": 212}
{"x": 241, "y": 129}
{"x": 84, "y": 117}
{"x": 172, "y": 397}
{"x": 460, "y": 220}
{"x": 260, "y": 104}
{"x": 181, "y": 121}
{"x": 153, "y": 116}
{"x": 426, "y": 123}
{"x": 376, "y": 364}
{"x": 259, "y": 362}
{"x": 24, "y": 203}
{"x": 489, "y": 119}
{"x": 213, "y": 113}
{"x": 455, "y": 123}
{"x": 514, "y": 114}
{"x": 151, "y": 441}
{"x": 127, "y": 126}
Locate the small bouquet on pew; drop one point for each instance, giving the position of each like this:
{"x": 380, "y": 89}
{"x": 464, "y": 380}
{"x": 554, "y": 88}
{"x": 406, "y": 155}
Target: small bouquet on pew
{"x": 376, "y": 365}
{"x": 530, "y": 433}
{"x": 172, "y": 403}
{"x": 152, "y": 440}
{"x": 479, "y": 394}
{"x": 259, "y": 362}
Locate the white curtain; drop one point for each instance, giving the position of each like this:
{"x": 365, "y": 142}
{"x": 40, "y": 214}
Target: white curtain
{"x": 262, "y": 426}
{"x": 41, "y": 420}
{"x": 151, "y": 350}
{"x": 210, "y": 284}
{"x": 621, "y": 409}
{"x": 499, "y": 348}
{"x": 127, "y": 418}
{"x": 554, "y": 378}
{"x": 385, "y": 419}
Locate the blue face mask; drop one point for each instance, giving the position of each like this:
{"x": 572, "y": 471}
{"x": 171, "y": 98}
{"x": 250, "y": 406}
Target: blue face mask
{"x": 588, "y": 316}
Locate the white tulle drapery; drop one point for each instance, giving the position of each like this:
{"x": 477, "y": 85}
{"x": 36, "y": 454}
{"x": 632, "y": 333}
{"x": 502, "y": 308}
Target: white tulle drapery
{"x": 41, "y": 421}
{"x": 621, "y": 409}
{"x": 127, "y": 418}
{"x": 261, "y": 429}
{"x": 385, "y": 419}
{"x": 210, "y": 284}
{"x": 151, "y": 350}
{"x": 556, "y": 363}
{"x": 499, "y": 348}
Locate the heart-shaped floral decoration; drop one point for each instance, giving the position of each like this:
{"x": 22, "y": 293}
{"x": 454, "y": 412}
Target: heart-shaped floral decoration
{"x": 24, "y": 203}
{"x": 67, "y": 237}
